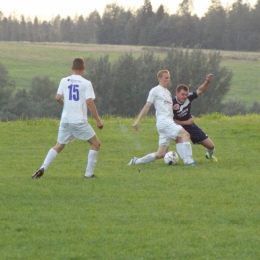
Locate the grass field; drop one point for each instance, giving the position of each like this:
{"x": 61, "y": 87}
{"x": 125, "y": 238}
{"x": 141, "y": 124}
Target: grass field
{"x": 27, "y": 60}
{"x": 150, "y": 211}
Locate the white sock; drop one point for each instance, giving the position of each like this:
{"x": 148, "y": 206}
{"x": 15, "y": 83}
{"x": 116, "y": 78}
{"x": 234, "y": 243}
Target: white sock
{"x": 210, "y": 151}
{"x": 146, "y": 159}
{"x": 185, "y": 151}
{"x": 92, "y": 160}
{"x": 49, "y": 158}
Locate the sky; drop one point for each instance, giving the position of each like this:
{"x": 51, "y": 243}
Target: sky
{"x": 51, "y": 8}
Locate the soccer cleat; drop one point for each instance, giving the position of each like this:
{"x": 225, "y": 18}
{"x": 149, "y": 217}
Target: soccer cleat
{"x": 92, "y": 176}
{"x": 212, "y": 158}
{"x": 192, "y": 164}
{"x": 38, "y": 173}
{"x": 132, "y": 161}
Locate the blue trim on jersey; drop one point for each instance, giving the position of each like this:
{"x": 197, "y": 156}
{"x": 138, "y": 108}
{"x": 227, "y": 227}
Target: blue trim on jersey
{"x": 184, "y": 113}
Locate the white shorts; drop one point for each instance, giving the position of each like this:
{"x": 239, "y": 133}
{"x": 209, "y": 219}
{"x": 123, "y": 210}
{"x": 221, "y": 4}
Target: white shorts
{"x": 70, "y": 131}
{"x": 167, "y": 131}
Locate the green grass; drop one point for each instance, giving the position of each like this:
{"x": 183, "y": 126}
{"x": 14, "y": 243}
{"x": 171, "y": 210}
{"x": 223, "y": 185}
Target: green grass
{"x": 149, "y": 211}
{"x": 245, "y": 83}
{"x": 26, "y": 60}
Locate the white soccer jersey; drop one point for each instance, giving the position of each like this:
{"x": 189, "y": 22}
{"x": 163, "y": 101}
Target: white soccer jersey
{"x": 162, "y": 101}
{"x": 75, "y": 91}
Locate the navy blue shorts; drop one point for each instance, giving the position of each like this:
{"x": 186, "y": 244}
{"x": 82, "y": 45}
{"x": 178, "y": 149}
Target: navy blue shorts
{"x": 196, "y": 134}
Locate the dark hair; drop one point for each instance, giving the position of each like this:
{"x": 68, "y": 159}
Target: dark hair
{"x": 182, "y": 87}
{"x": 78, "y": 64}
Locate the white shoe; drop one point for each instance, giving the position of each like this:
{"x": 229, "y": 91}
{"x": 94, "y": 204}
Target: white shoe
{"x": 132, "y": 161}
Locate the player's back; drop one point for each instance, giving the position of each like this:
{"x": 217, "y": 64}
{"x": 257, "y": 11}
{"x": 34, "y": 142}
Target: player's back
{"x": 75, "y": 91}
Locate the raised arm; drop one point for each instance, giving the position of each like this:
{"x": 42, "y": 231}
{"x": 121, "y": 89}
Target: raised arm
{"x": 204, "y": 86}
{"x": 143, "y": 113}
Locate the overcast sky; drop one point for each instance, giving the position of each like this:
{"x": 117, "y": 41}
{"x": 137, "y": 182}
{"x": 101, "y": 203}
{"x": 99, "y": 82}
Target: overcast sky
{"x": 51, "y": 8}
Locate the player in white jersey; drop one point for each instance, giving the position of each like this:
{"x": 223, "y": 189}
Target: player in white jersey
{"x": 76, "y": 94}
{"x": 168, "y": 130}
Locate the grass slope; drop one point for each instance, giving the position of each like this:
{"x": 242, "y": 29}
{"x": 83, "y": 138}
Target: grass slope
{"x": 150, "y": 211}
{"x": 26, "y": 60}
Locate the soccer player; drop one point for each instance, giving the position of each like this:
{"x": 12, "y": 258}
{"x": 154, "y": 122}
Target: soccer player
{"x": 182, "y": 116}
{"x": 76, "y": 94}
{"x": 161, "y": 98}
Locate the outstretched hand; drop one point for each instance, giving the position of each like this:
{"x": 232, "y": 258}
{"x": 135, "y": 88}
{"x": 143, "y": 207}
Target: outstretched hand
{"x": 209, "y": 77}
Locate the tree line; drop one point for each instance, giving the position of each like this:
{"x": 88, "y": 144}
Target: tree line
{"x": 122, "y": 87}
{"x": 235, "y": 27}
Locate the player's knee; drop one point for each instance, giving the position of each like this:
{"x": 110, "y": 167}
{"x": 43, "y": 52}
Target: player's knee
{"x": 184, "y": 136}
{"x": 58, "y": 147}
{"x": 96, "y": 146}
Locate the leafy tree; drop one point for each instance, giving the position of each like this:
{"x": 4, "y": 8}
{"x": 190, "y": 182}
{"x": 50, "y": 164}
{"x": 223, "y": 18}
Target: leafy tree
{"x": 42, "y": 95}
{"x": 7, "y": 87}
{"x": 67, "y": 30}
{"x": 122, "y": 88}
{"x": 80, "y": 30}
{"x": 255, "y": 109}
{"x": 93, "y": 24}
{"x": 233, "y": 107}
{"x": 214, "y": 23}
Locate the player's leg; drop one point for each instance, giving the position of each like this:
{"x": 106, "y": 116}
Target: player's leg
{"x": 64, "y": 136}
{"x": 151, "y": 157}
{"x": 164, "y": 143}
{"x": 210, "y": 149}
{"x": 183, "y": 147}
{"x": 198, "y": 136}
{"x": 92, "y": 156}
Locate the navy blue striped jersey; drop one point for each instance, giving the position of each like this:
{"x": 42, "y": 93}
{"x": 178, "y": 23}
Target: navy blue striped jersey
{"x": 184, "y": 112}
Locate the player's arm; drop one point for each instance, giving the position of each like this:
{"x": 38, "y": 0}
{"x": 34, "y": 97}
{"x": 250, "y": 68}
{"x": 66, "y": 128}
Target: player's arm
{"x": 93, "y": 110}
{"x": 143, "y": 113}
{"x": 204, "y": 86}
{"x": 59, "y": 99}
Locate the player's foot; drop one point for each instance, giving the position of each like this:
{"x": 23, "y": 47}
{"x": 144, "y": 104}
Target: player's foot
{"x": 212, "y": 158}
{"x": 38, "y": 173}
{"x": 92, "y": 176}
{"x": 132, "y": 161}
{"x": 192, "y": 164}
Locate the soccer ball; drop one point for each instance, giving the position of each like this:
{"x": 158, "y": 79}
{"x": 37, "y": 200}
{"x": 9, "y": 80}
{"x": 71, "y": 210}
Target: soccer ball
{"x": 171, "y": 158}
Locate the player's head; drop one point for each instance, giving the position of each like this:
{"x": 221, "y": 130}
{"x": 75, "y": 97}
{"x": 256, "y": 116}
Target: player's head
{"x": 164, "y": 78}
{"x": 182, "y": 92}
{"x": 78, "y": 64}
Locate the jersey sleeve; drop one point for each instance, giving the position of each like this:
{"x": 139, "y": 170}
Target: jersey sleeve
{"x": 89, "y": 91}
{"x": 60, "y": 89}
{"x": 192, "y": 95}
{"x": 151, "y": 95}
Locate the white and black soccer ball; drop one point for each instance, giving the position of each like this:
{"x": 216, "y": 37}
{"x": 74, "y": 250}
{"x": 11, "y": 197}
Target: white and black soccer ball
{"x": 171, "y": 158}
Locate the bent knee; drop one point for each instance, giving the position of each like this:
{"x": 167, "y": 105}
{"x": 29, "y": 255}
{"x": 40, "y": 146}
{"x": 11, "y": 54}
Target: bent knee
{"x": 96, "y": 146}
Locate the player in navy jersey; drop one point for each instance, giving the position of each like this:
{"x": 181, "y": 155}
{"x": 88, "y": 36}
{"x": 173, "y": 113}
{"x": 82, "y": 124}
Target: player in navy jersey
{"x": 182, "y": 115}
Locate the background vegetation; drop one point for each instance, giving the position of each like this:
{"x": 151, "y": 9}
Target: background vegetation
{"x": 235, "y": 27}
{"x": 30, "y": 74}
{"x": 157, "y": 212}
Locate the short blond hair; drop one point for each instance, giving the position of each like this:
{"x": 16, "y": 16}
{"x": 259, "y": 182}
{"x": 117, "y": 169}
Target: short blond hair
{"x": 161, "y": 72}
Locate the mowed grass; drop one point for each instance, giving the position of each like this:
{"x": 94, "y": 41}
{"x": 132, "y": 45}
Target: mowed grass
{"x": 149, "y": 211}
{"x": 26, "y": 60}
